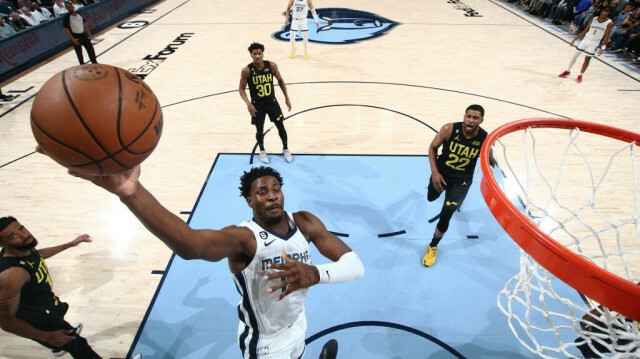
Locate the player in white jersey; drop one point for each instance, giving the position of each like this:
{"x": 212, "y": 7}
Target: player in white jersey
{"x": 596, "y": 37}
{"x": 268, "y": 255}
{"x": 299, "y": 22}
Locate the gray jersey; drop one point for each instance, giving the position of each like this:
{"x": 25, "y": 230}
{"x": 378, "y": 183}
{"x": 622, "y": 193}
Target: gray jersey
{"x": 258, "y": 310}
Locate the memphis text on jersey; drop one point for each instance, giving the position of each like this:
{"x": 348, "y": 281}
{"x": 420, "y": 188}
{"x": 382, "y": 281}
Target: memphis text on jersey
{"x": 300, "y": 257}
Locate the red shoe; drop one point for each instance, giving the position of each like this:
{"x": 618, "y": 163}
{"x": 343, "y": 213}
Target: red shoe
{"x": 564, "y": 74}
{"x": 579, "y": 79}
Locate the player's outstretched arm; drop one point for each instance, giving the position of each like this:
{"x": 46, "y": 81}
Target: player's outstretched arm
{"x": 52, "y": 251}
{"x": 188, "y": 243}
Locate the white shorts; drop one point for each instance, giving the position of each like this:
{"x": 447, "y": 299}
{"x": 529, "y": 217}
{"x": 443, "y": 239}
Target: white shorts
{"x": 588, "y": 46}
{"x": 302, "y": 25}
{"x": 288, "y": 343}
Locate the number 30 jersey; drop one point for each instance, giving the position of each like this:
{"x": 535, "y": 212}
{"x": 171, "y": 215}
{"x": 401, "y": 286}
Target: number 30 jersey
{"x": 261, "y": 83}
{"x": 460, "y": 154}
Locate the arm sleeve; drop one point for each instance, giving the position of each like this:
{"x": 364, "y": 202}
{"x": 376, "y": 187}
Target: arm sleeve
{"x": 348, "y": 267}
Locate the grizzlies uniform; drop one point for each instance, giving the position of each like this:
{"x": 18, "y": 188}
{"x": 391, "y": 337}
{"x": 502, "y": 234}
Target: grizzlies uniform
{"x": 593, "y": 37}
{"x": 299, "y": 15}
{"x": 456, "y": 164}
{"x": 267, "y": 326}
{"x": 40, "y": 307}
{"x": 263, "y": 95}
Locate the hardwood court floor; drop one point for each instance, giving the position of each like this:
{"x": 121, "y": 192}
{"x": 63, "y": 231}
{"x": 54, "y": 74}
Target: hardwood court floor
{"x": 380, "y": 96}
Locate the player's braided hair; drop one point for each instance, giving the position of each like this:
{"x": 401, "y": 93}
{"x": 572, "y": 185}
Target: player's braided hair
{"x": 247, "y": 178}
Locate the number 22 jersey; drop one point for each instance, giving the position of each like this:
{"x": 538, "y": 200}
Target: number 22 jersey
{"x": 460, "y": 154}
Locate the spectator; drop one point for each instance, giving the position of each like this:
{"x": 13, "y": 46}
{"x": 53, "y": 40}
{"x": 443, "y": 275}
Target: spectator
{"x": 551, "y": 13}
{"x": 623, "y": 17}
{"x": 543, "y": 9}
{"x": 17, "y": 22}
{"x": 5, "y": 30}
{"x": 6, "y": 7}
{"x": 43, "y": 12}
{"x": 580, "y": 18}
{"x": 58, "y": 8}
{"x": 31, "y": 18}
{"x": 76, "y": 4}
{"x": 570, "y": 8}
{"x": 623, "y": 36}
{"x": 25, "y": 3}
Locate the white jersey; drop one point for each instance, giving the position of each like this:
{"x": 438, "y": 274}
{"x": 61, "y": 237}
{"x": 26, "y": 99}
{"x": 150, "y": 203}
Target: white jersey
{"x": 597, "y": 30}
{"x": 300, "y": 9}
{"x": 258, "y": 310}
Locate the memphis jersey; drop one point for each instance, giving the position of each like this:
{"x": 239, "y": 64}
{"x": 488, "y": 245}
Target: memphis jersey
{"x": 261, "y": 83}
{"x": 597, "y": 30}
{"x": 460, "y": 154}
{"x": 300, "y": 9}
{"x": 258, "y": 310}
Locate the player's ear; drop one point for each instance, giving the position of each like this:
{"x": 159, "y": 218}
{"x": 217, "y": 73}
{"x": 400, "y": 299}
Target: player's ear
{"x": 249, "y": 201}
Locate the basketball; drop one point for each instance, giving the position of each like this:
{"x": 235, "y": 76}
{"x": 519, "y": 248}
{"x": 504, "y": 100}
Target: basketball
{"x": 96, "y": 119}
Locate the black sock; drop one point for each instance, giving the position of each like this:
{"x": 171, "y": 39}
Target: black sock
{"x": 435, "y": 240}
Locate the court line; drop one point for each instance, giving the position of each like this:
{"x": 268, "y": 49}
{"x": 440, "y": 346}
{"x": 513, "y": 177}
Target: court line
{"x": 345, "y": 82}
{"x": 141, "y": 29}
{"x": 165, "y": 272}
{"x": 253, "y": 151}
{"x": 375, "y": 323}
{"x": 168, "y": 267}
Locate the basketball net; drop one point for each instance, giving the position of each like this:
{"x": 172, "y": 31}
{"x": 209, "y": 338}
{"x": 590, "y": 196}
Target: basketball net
{"x": 573, "y": 209}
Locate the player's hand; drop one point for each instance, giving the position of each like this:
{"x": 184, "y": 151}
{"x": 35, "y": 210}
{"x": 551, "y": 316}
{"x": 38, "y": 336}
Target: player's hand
{"x": 438, "y": 182}
{"x": 252, "y": 109}
{"x": 75, "y": 42}
{"x": 599, "y": 52}
{"x": 317, "y": 25}
{"x": 80, "y": 239}
{"x": 294, "y": 274}
{"x": 288, "y": 103}
{"x": 286, "y": 21}
{"x": 571, "y": 43}
{"x": 60, "y": 337}
{"x": 122, "y": 184}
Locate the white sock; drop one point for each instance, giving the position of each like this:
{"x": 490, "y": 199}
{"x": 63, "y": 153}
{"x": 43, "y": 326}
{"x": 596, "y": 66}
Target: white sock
{"x": 573, "y": 60}
{"x": 305, "y": 35}
{"x": 292, "y": 39}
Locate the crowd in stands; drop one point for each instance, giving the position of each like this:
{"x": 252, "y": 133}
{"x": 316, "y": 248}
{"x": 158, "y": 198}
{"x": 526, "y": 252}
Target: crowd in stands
{"x": 575, "y": 16}
{"x": 18, "y": 15}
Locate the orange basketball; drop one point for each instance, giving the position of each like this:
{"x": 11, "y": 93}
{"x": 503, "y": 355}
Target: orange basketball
{"x": 96, "y": 119}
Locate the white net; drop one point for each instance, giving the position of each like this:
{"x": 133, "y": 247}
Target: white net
{"x": 582, "y": 192}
